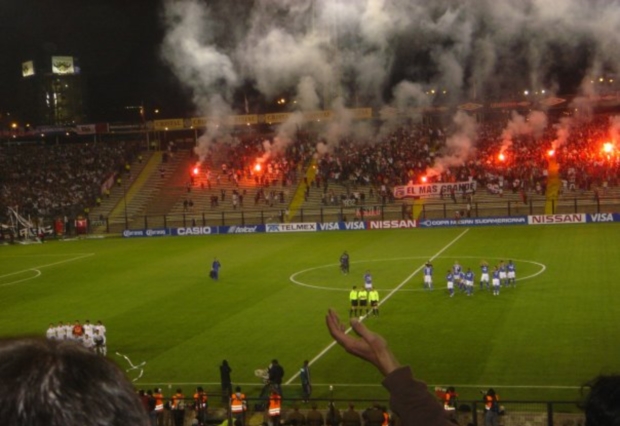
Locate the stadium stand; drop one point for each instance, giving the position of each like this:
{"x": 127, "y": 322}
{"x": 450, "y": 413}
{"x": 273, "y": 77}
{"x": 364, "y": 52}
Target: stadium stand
{"x": 228, "y": 187}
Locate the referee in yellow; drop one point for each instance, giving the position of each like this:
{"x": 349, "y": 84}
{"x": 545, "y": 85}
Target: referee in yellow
{"x": 353, "y": 298}
{"x": 362, "y": 297}
{"x": 373, "y": 297}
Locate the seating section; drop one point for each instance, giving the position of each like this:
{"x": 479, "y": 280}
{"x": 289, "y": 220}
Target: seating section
{"x": 260, "y": 175}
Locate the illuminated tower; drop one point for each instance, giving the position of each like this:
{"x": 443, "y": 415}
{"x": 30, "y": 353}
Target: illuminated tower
{"x": 52, "y": 92}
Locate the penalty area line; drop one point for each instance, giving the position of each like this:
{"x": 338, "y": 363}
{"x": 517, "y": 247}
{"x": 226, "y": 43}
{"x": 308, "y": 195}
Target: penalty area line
{"x": 389, "y": 295}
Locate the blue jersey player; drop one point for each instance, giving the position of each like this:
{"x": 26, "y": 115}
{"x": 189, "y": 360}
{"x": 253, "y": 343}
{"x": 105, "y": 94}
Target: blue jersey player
{"x": 469, "y": 282}
{"x": 511, "y": 273}
{"x": 456, "y": 273}
{"x": 215, "y": 269}
{"x": 450, "y": 282}
{"x": 344, "y": 263}
{"x": 484, "y": 275}
{"x": 428, "y": 276}
{"x": 496, "y": 281}
{"x": 368, "y": 281}
{"x": 503, "y": 278}
{"x": 461, "y": 280}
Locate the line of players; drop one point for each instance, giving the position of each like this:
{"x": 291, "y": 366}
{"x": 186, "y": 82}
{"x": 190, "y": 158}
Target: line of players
{"x": 502, "y": 275}
{"x": 92, "y": 336}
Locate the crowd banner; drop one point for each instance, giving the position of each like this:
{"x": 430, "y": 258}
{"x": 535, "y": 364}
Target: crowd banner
{"x": 433, "y": 189}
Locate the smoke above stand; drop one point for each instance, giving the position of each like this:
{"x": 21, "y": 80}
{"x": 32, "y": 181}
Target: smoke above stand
{"x": 373, "y": 53}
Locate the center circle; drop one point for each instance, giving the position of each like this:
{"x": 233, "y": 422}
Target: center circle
{"x": 294, "y": 277}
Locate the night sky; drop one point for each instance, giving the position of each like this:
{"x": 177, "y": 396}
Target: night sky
{"x": 116, "y": 41}
{"x": 244, "y": 54}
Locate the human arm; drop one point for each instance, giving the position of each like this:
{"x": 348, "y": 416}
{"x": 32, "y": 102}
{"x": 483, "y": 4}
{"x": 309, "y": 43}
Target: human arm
{"x": 409, "y": 397}
{"x": 371, "y": 347}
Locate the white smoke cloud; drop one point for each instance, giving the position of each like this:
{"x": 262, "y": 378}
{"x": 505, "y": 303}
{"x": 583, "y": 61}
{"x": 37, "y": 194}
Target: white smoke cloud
{"x": 563, "y": 130}
{"x": 357, "y": 52}
{"x": 189, "y": 51}
{"x": 533, "y": 125}
{"x": 460, "y": 146}
{"x": 307, "y": 97}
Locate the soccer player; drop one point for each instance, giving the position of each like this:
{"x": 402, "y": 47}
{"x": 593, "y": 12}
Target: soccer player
{"x": 373, "y": 296}
{"x": 99, "y": 326}
{"x": 77, "y": 330}
{"x": 502, "y": 273}
{"x": 344, "y": 263}
{"x": 484, "y": 277}
{"x": 50, "y": 334}
{"x": 368, "y": 281}
{"x": 456, "y": 274}
{"x": 68, "y": 331}
{"x": 469, "y": 282}
{"x": 512, "y": 273}
{"x": 353, "y": 299}
{"x": 496, "y": 281}
{"x": 61, "y": 331}
{"x": 99, "y": 341}
{"x": 428, "y": 276}
{"x": 450, "y": 282}
{"x": 215, "y": 269}
{"x": 88, "y": 328}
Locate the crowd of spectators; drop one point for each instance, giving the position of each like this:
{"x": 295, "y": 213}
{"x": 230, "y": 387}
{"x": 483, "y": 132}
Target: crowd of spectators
{"x": 58, "y": 180}
{"x": 439, "y": 153}
{"x": 262, "y": 160}
{"x": 64, "y": 179}
{"x": 408, "y": 154}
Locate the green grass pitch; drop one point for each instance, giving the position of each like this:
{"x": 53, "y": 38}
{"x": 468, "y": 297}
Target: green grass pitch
{"x": 541, "y": 340}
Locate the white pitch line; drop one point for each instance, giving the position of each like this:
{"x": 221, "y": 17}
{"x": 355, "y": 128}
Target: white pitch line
{"x": 390, "y": 294}
{"x": 36, "y": 268}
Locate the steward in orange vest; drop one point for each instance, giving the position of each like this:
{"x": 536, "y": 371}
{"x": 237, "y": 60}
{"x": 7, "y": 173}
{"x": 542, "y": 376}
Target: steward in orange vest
{"x": 201, "y": 404}
{"x": 275, "y": 405}
{"x": 238, "y": 405}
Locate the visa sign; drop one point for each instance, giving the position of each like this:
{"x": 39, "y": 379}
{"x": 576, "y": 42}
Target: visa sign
{"x": 341, "y": 226}
{"x": 603, "y": 217}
